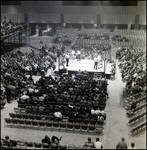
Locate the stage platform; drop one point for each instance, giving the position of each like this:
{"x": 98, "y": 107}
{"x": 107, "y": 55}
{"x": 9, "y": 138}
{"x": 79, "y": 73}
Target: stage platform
{"x": 88, "y": 65}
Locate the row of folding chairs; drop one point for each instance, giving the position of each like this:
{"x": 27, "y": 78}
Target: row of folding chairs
{"x": 136, "y": 118}
{"x": 139, "y": 108}
{"x": 36, "y": 145}
{"x": 54, "y": 125}
{"x": 137, "y": 128}
{"x": 90, "y": 120}
{"x": 139, "y": 101}
{"x": 39, "y": 145}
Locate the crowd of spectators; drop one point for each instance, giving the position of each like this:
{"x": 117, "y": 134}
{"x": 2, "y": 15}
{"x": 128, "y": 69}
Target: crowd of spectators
{"x": 133, "y": 68}
{"x": 54, "y": 143}
{"x": 16, "y": 65}
{"x": 92, "y": 50}
{"x": 8, "y": 26}
{"x": 119, "y": 38}
{"x": 69, "y": 95}
{"x": 93, "y": 36}
{"x": 62, "y": 38}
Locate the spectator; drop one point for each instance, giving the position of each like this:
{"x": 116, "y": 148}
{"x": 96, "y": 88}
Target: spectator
{"x": 6, "y": 141}
{"x": 89, "y": 144}
{"x": 8, "y": 93}
{"x": 46, "y": 142}
{"x": 132, "y": 146}
{"x": 55, "y": 140}
{"x": 122, "y": 144}
{"x": 98, "y": 144}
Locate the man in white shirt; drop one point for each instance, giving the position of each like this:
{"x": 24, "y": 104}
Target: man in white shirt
{"x": 98, "y": 144}
{"x": 67, "y": 59}
{"x": 78, "y": 55}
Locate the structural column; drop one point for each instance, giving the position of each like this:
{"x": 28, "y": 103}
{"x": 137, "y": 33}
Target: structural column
{"x": 61, "y": 19}
{"x": 136, "y": 23}
{"x": 98, "y": 20}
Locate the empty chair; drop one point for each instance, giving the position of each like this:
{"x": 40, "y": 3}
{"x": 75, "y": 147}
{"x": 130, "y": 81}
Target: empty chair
{"x": 29, "y": 144}
{"x": 35, "y": 124}
{"x": 12, "y": 115}
{"x": 86, "y": 121}
{"x": 15, "y": 122}
{"x": 92, "y": 121}
{"x": 62, "y": 126}
{"x": 71, "y": 146}
{"x": 55, "y": 125}
{"x": 69, "y": 126}
{"x": 78, "y": 120}
{"x": 16, "y": 110}
{"x": 38, "y": 117}
{"x": 84, "y": 128}
{"x": 49, "y": 125}
{"x": 29, "y": 110}
{"x": 32, "y": 117}
{"x": 28, "y": 123}
{"x": 21, "y": 144}
{"x": 71, "y": 119}
{"x": 13, "y": 147}
{"x": 37, "y": 145}
{"x": 80, "y": 147}
{"x": 54, "y": 146}
{"x": 99, "y": 129}
{"x": 41, "y": 124}
{"x": 5, "y": 147}
{"x": 91, "y": 128}
{"x": 22, "y": 110}
{"x": 21, "y": 123}
{"x": 25, "y": 116}
{"x": 77, "y": 127}
{"x": 62, "y": 146}
{"x": 8, "y": 122}
{"x": 18, "y": 116}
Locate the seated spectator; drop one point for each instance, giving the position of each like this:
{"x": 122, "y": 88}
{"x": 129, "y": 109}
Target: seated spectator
{"x": 58, "y": 115}
{"x": 25, "y": 97}
{"x": 98, "y": 144}
{"x": 132, "y": 146}
{"x": 6, "y": 141}
{"x": 89, "y": 143}
{"x": 122, "y": 144}
{"x": 55, "y": 140}
{"x": 46, "y": 142}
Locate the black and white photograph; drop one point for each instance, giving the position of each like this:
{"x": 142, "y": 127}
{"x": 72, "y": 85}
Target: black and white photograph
{"x": 73, "y": 74}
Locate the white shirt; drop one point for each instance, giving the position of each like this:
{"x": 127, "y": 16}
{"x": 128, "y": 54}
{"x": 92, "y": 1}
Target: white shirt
{"x": 98, "y": 145}
{"x": 58, "y": 114}
{"x": 78, "y": 52}
{"x": 132, "y": 147}
{"x": 24, "y": 97}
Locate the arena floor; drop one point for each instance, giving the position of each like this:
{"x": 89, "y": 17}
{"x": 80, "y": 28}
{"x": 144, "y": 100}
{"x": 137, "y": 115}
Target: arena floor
{"x": 115, "y": 126}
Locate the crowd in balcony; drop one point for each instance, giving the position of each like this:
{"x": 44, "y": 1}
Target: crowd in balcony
{"x": 119, "y": 38}
{"x": 62, "y": 38}
{"x": 8, "y": 26}
{"x": 91, "y": 50}
{"x": 93, "y": 36}
{"x": 16, "y": 65}
{"x": 133, "y": 68}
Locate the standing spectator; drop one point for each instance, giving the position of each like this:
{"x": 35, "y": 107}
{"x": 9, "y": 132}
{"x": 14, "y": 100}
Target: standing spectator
{"x": 132, "y": 146}
{"x": 98, "y": 144}
{"x": 122, "y": 144}
{"x": 89, "y": 144}
{"x": 67, "y": 59}
{"x": 8, "y": 93}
